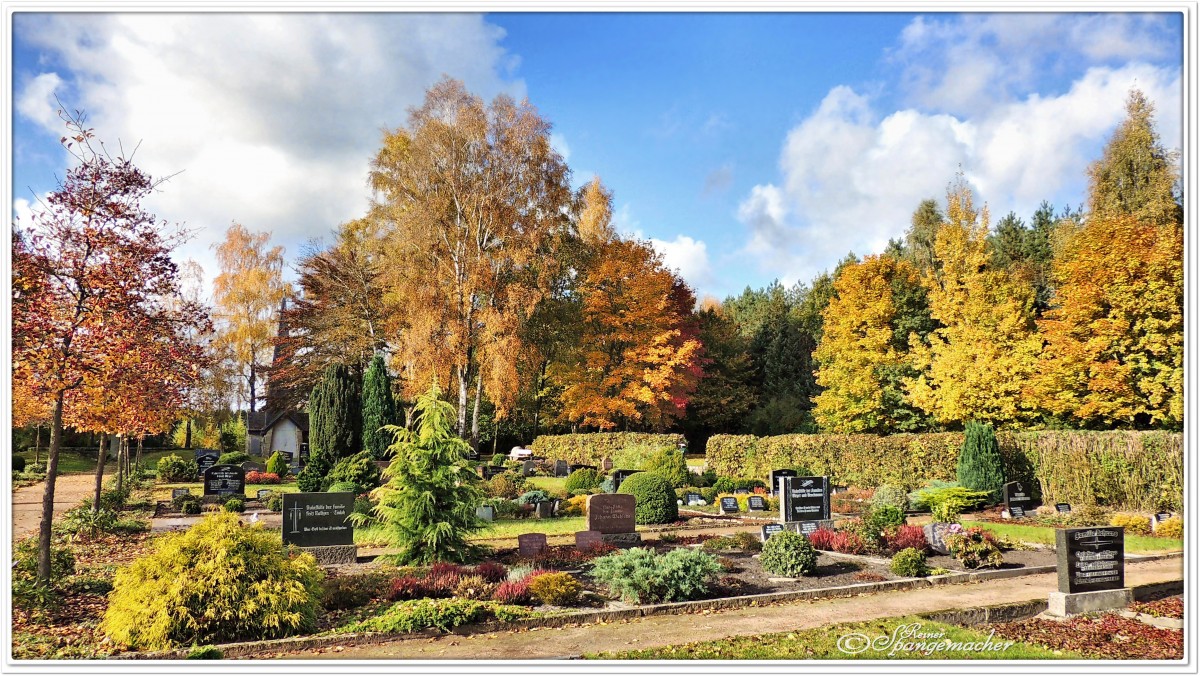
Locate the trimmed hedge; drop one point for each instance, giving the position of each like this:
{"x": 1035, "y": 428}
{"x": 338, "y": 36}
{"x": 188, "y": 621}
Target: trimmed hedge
{"x": 1124, "y": 470}
{"x": 591, "y": 449}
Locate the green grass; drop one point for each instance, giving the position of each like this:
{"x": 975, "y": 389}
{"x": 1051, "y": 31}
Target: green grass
{"x": 507, "y": 529}
{"x": 1134, "y": 544}
{"x": 70, "y": 462}
{"x": 822, "y": 644}
{"x": 552, "y": 485}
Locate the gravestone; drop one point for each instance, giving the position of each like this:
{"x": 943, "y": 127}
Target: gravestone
{"x": 1091, "y": 570}
{"x": 561, "y": 468}
{"x": 319, "y": 523}
{"x": 490, "y": 471}
{"x": 225, "y": 480}
{"x": 770, "y": 529}
{"x": 528, "y": 468}
{"x": 206, "y": 458}
{"x": 756, "y": 503}
{"x": 303, "y": 455}
{"x": 252, "y": 467}
{"x": 486, "y": 512}
{"x": 607, "y": 464}
{"x": 621, "y": 475}
{"x": 935, "y": 535}
{"x": 1162, "y": 516}
{"x": 531, "y": 544}
{"x": 1016, "y": 512}
{"x": 287, "y": 456}
{"x": 804, "y": 498}
{"x": 690, "y": 499}
{"x": 544, "y": 509}
{"x": 179, "y": 492}
{"x": 729, "y": 505}
{"x": 1015, "y": 495}
{"x": 264, "y": 493}
{"x": 588, "y": 539}
{"x": 1062, "y": 507}
{"x": 807, "y": 528}
{"x": 776, "y": 475}
{"x": 741, "y": 491}
{"x": 613, "y": 516}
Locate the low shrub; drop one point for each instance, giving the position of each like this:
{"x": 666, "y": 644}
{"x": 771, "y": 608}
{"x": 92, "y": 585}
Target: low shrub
{"x": 513, "y": 593}
{"x": 25, "y": 562}
{"x": 406, "y": 587}
{"x": 1133, "y": 523}
{"x": 533, "y": 497}
{"x": 507, "y": 485}
{"x": 847, "y": 542}
{"x": 556, "y": 589}
{"x": 474, "y": 587}
{"x": 175, "y": 469}
{"x": 234, "y": 458}
{"x": 204, "y": 652}
{"x": 910, "y": 563}
{"x": 788, "y": 554}
{"x": 190, "y": 505}
{"x": 583, "y": 479}
{"x": 718, "y": 543}
{"x": 444, "y": 614}
{"x": 359, "y": 469}
{"x": 309, "y": 479}
{"x": 889, "y": 495}
{"x": 236, "y": 505}
{"x": 277, "y": 465}
{"x": 181, "y": 593}
{"x": 18, "y": 463}
{"x": 491, "y": 571}
{"x": 822, "y": 538}
{"x": 274, "y": 502}
{"x": 1171, "y": 528}
{"x": 898, "y": 538}
{"x": 574, "y": 506}
{"x": 947, "y": 501}
{"x": 852, "y": 501}
{"x": 655, "y": 498}
{"x": 974, "y": 548}
{"x": 82, "y": 522}
{"x": 609, "y": 485}
{"x": 640, "y": 575}
{"x": 346, "y": 591}
{"x": 879, "y": 519}
{"x": 256, "y": 477}
{"x": 723, "y": 485}
{"x": 505, "y": 509}
{"x": 344, "y": 487}
{"x": 671, "y": 465}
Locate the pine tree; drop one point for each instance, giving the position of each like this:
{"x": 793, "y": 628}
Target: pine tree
{"x": 980, "y": 466}
{"x": 335, "y": 424}
{"x": 378, "y": 408}
{"x": 427, "y": 507}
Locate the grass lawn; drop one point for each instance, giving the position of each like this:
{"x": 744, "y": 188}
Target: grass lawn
{"x": 822, "y": 644}
{"x": 1134, "y": 544}
{"x": 552, "y": 485}
{"x": 496, "y": 533}
{"x": 70, "y": 462}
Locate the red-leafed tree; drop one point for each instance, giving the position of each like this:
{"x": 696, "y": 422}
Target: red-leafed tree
{"x": 94, "y": 285}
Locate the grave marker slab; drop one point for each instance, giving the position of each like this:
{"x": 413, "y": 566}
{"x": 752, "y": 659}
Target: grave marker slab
{"x": 804, "y": 498}
{"x": 1016, "y": 495}
{"x": 490, "y": 471}
{"x": 1162, "y": 516}
{"x": 206, "y": 458}
{"x": 776, "y": 475}
{"x": 935, "y": 535}
{"x": 729, "y": 506}
{"x": 264, "y": 493}
{"x": 179, "y": 492}
{"x": 607, "y": 464}
{"x": 224, "y": 480}
{"x": 561, "y": 468}
{"x": 528, "y": 468}
{"x": 303, "y": 454}
{"x": 486, "y": 512}
{"x": 770, "y": 529}
{"x": 1062, "y": 507}
{"x": 1090, "y": 559}
{"x": 741, "y": 491}
{"x": 756, "y": 503}
{"x": 610, "y": 513}
{"x": 1016, "y": 512}
{"x": 318, "y": 519}
{"x": 621, "y": 475}
{"x": 690, "y": 499}
{"x": 588, "y": 539}
{"x": 807, "y": 528}
{"x": 253, "y": 467}
{"x": 531, "y": 544}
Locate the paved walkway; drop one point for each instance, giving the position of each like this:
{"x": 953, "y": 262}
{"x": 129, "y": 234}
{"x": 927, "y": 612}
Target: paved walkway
{"x": 662, "y": 630}
{"x": 69, "y": 490}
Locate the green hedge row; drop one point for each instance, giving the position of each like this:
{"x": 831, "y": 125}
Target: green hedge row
{"x": 1125, "y": 470}
{"x": 591, "y": 449}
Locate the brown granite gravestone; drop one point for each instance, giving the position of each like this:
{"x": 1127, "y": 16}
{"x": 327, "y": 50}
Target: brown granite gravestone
{"x": 587, "y": 539}
{"x": 607, "y": 464}
{"x": 531, "y": 544}
{"x": 611, "y": 513}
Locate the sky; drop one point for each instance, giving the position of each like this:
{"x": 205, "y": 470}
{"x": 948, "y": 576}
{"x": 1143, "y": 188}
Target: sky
{"x": 745, "y": 147}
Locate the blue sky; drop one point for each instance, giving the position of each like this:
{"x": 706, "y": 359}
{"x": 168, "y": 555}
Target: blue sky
{"x": 746, "y": 147}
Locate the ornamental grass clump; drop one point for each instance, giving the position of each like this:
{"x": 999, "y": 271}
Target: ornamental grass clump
{"x": 219, "y": 581}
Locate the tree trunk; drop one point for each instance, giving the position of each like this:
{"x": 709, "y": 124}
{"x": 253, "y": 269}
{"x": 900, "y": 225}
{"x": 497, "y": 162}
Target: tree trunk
{"x": 120, "y": 462}
{"x": 101, "y": 458}
{"x": 187, "y": 434}
{"x": 253, "y": 391}
{"x": 56, "y": 431}
{"x": 138, "y": 462}
{"x": 37, "y": 444}
{"x": 475, "y": 413}
{"x": 462, "y": 402}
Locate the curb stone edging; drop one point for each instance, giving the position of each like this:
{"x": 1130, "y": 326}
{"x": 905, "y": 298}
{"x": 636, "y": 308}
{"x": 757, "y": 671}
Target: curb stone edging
{"x": 1149, "y": 591}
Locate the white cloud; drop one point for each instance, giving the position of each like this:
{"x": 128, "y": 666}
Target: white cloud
{"x": 270, "y": 118}
{"x": 688, "y": 257}
{"x": 852, "y": 177}
{"x": 36, "y": 101}
{"x": 559, "y": 143}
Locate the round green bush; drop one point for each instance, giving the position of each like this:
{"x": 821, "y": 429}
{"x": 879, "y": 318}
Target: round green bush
{"x": 234, "y": 458}
{"x": 583, "y": 479}
{"x": 217, "y": 582}
{"x": 910, "y": 563}
{"x": 277, "y": 464}
{"x": 723, "y": 485}
{"x": 189, "y": 505}
{"x": 888, "y": 495}
{"x": 345, "y": 487}
{"x": 275, "y": 502}
{"x": 309, "y": 479}
{"x": 18, "y": 463}
{"x": 655, "y": 497}
{"x": 174, "y": 469}
{"x": 237, "y": 505}
{"x": 788, "y": 554}
{"x": 359, "y": 469}
{"x": 670, "y": 463}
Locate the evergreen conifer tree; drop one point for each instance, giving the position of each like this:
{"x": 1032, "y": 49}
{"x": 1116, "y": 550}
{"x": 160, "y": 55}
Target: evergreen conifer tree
{"x": 378, "y": 409}
{"x": 335, "y": 424}
{"x": 980, "y": 466}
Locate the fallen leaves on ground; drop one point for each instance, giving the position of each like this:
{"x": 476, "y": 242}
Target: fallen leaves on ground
{"x": 1168, "y": 607}
{"x": 1106, "y": 636}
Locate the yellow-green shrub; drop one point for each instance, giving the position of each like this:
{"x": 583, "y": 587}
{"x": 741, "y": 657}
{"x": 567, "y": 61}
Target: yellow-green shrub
{"x": 556, "y": 589}
{"x": 1171, "y": 528}
{"x": 575, "y": 506}
{"x": 592, "y": 449}
{"x": 1133, "y": 523}
{"x": 217, "y": 582}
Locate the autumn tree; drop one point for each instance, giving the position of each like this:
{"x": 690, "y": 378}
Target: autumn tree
{"x": 979, "y": 358}
{"x": 725, "y": 393}
{"x": 863, "y": 354}
{"x": 247, "y": 294}
{"x": 95, "y": 281}
{"x": 1113, "y": 354}
{"x": 473, "y": 197}
{"x": 340, "y": 315}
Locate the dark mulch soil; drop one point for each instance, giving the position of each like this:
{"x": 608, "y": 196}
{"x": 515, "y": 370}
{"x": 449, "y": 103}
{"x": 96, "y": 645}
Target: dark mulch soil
{"x": 1106, "y": 636}
{"x": 1168, "y": 607}
{"x": 745, "y": 575}
{"x": 1016, "y": 558}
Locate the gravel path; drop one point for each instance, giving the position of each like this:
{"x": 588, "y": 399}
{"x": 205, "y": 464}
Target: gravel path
{"x": 69, "y": 490}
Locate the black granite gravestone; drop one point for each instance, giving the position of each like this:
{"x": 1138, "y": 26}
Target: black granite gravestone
{"x": 690, "y": 499}
{"x": 317, "y": 519}
{"x": 804, "y": 498}
{"x": 1016, "y": 495}
{"x": 1063, "y": 507}
{"x": 776, "y": 475}
{"x": 179, "y": 492}
{"x": 729, "y": 505}
{"x": 1090, "y": 559}
{"x": 225, "y": 480}
{"x": 756, "y": 503}
{"x": 561, "y": 468}
{"x": 770, "y": 529}
{"x": 206, "y": 458}
{"x": 621, "y": 475}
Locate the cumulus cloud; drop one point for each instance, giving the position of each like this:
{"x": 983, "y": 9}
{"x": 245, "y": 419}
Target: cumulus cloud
{"x": 852, "y": 176}
{"x": 688, "y": 257}
{"x": 267, "y": 119}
